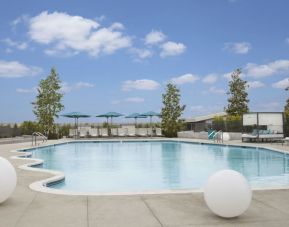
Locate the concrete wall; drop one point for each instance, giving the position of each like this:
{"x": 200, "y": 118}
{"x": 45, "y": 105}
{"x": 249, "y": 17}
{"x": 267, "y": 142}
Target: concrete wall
{"x": 204, "y": 135}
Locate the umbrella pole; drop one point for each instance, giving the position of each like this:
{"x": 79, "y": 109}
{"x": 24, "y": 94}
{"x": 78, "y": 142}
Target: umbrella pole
{"x": 107, "y": 126}
{"x": 77, "y": 128}
{"x": 111, "y": 125}
{"x": 74, "y": 128}
{"x": 151, "y": 126}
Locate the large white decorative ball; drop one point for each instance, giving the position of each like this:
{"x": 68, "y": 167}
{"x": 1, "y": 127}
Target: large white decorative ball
{"x": 227, "y": 193}
{"x": 226, "y": 136}
{"x": 8, "y": 179}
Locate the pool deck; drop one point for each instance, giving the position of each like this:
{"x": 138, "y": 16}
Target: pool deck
{"x": 27, "y": 208}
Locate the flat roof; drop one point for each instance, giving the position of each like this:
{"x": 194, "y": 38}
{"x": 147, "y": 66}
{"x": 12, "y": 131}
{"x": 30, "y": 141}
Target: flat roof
{"x": 206, "y": 117}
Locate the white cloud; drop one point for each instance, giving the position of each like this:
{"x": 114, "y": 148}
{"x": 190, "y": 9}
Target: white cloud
{"x": 184, "y": 79}
{"x": 18, "y": 20}
{"x": 172, "y": 49}
{"x": 141, "y": 53}
{"x": 77, "y": 34}
{"x": 255, "y": 84}
{"x": 22, "y": 90}
{"x": 154, "y": 37}
{"x": 283, "y": 84}
{"x": 238, "y": 48}
{"x": 275, "y": 67}
{"x": 287, "y": 40}
{"x": 210, "y": 79}
{"x": 135, "y": 99}
{"x": 215, "y": 90}
{"x": 15, "y": 69}
{"x": 66, "y": 87}
{"x": 228, "y": 76}
{"x": 143, "y": 84}
{"x": 17, "y": 45}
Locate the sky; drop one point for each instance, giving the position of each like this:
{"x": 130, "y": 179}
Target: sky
{"x": 119, "y": 55}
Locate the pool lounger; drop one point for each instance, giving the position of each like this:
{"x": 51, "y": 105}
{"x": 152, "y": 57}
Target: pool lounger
{"x": 271, "y": 137}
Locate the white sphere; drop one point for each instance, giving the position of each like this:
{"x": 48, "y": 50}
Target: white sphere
{"x": 8, "y": 179}
{"x": 226, "y": 136}
{"x": 227, "y": 193}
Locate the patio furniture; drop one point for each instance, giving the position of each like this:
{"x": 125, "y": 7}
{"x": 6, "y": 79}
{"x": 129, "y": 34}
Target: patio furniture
{"x": 114, "y": 132}
{"x": 72, "y": 133}
{"x": 131, "y": 131}
{"x": 159, "y": 132}
{"x": 83, "y": 132}
{"x": 103, "y": 132}
{"x": 285, "y": 140}
{"x": 122, "y": 131}
{"x": 93, "y": 132}
{"x": 76, "y": 116}
{"x": 142, "y": 132}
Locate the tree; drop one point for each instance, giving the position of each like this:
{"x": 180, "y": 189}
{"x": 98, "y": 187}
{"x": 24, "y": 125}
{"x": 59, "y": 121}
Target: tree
{"x": 238, "y": 96}
{"x": 171, "y": 111}
{"x": 28, "y": 127}
{"x": 48, "y": 102}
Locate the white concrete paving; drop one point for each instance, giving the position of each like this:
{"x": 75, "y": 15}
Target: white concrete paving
{"x": 27, "y": 208}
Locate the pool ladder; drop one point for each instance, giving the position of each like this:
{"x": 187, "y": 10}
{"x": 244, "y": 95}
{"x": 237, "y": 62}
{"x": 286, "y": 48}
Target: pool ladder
{"x": 34, "y": 138}
{"x": 217, "y": 136}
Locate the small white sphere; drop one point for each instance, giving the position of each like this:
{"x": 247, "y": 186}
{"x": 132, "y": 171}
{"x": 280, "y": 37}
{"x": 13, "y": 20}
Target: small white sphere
{"x": 8, "y": 179}
{"x": 227, "y": 193}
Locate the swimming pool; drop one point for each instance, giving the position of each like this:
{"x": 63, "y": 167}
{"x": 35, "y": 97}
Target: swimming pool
{"x": 134, "y": 166}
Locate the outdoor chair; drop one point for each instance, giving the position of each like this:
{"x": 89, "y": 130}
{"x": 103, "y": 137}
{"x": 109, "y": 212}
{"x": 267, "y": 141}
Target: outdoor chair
{"x": 122, "y": 131}
{"x": 158, "y": 132}
{"x": 103, "y": 132}
{"x": 83, "y": 132}
{"x": 131, "y": 131}
{"x": 71, "y": 132}
{"x": 142, "y": 132}
{"x": 93, "y": 132}
{"x": 114, "y": 132}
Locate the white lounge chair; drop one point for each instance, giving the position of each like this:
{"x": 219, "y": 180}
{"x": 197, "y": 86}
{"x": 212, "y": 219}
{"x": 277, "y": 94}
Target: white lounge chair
{"x": 142, "y": 132}
{"x": 114, "y": 132}
{"x": 83, "y": 132}
{"x": 71, "y": 132}
{"x": 149, "y": 132}
{"x": 286, "y": 140}
{"x": 103, "y": 132}
{"x": 122, "y": 131}
{"x": 158, "y": 132}
{"x": 93, "y": 132}
{"x": 131, "y": 131}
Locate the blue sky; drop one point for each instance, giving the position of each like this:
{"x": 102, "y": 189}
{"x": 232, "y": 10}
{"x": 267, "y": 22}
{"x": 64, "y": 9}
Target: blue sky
{"x": 118, "y": 55}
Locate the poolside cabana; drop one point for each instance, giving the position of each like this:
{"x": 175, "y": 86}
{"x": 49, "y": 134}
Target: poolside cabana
{"x": 263, "y": 126}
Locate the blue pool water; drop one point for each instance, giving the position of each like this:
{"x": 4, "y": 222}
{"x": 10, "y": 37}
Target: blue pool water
{"x": 157, "y": 165}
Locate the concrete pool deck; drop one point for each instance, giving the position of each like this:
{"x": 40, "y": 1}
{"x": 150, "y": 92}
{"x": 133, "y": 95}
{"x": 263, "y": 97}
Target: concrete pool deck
{"x": 27, "y": 208}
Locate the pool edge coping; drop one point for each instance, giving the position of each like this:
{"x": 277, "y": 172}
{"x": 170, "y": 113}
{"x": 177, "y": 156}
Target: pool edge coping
{"x": 40, "y": 185}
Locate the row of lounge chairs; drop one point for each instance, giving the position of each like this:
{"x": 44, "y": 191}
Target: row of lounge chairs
{"x": 263, "y": 135}
{"x": 84, "y": 132}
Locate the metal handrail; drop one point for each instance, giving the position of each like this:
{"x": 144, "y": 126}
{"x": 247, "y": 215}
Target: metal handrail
{"x": 217, "y": 133}
{"x": 34, "y": 137}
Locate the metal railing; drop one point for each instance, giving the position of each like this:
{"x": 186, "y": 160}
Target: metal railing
{"x": 217, "y": 138}
{"x": 34, "y": 138}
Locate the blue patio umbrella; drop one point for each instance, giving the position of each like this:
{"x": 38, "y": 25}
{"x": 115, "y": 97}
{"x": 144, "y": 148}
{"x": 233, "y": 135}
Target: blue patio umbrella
{"x": 76, "y": 116}
{"x": 110, "y": 115}
{"x": 151, "y": 114}
{"x": 136, "y": 116}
